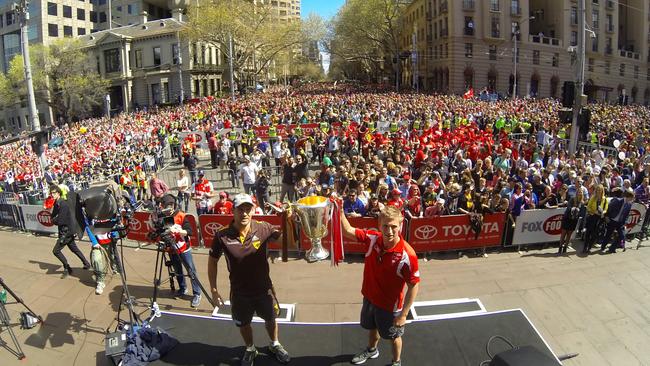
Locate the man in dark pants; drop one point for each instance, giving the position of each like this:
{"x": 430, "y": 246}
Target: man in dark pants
{"x": 244, "y": 245}
{"x": 617, "y": 214}
{"x": 62, "y": 218}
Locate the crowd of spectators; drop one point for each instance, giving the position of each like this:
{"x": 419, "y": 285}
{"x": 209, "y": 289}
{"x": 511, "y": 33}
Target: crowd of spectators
{"x": 429, "y": 155}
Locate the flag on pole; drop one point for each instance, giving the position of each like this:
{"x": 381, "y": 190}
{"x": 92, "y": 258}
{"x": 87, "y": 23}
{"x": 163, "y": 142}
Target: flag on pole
{"x": 469, "y": 94}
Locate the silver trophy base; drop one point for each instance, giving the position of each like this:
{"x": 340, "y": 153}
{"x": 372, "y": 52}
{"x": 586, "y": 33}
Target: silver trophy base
{"x": 317, "y": 252}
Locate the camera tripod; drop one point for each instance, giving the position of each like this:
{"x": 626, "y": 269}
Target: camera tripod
{"x": 134, "y": 318}
{"x": 164, "y": 258}
{"x": 5, "y": 320}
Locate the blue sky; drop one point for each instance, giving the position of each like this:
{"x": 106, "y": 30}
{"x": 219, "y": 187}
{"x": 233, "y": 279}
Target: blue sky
{"x": 324, "y": 8}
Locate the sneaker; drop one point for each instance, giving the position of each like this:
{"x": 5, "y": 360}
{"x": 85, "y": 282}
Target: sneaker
{"x": 66, "y": 272}
{"x": 249, "y": 357}
{"x": 365, "y": 355}
{"x": 196, "y": 300}
{"x": 100, "y": 288}
{"x": 182, "y": 292}
{"x": 396, "y": 363}
{"x": 280, "y": 353}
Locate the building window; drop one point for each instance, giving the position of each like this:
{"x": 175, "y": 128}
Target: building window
{"x": 175, "y": 54}
{"x": 493, "y": 52}
{"x": 469, "y": 26}
{"x": 608, "y": 45}
{"x": 67, "y": 11}
{"x": 156, "y": 56}
{"x": 574, "y": 15}
{"x": 67, "y": 31}
{"x": 53, "y": 30}
{"x": 494, "y": 5}
{"x": 155, "y": 94}
{"x": 112, "y": 60}
{"x": 594, "y": 18}
{"x": 609, "y": 25}
{"x": 138, "y": 58}
{"x": 495, "y": 29}
{"x": 1, "y": 20}
{"x": 621, "y": 70}
{"x": 469, "y": 50}
{"x": 574, "y": 38}
{"x": 102, "y": 17}
{"x": 535, "y": 57}
{"x": 81, "y": 31}
{"x": 594, "y": 44}
{"x": 590, "y": 65}
{"x": 636, "y": 71}
{"x": 607, "y": 67}
{"x": 81, "y": 14}
{"x": 10, "y": 18}
{"x": 556, "y": 60}
{"x": 52, "y": 9}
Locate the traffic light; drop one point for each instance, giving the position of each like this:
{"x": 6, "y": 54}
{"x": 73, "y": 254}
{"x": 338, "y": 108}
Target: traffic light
{"x": 568, "y": 94}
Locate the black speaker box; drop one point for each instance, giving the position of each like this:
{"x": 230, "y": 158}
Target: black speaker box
{"x": 523, "y": 356}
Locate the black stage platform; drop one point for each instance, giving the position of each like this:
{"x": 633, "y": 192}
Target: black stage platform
{"x": 446, "y": 342}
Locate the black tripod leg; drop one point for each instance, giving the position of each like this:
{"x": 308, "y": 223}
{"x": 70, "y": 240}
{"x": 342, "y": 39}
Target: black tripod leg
{"x": 5, "y": 321}
{"x": 192, "y": 276}
{"x": 170, "y": 272}
{"x": 13, "y": 294}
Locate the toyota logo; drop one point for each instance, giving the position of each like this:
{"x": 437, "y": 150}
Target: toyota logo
{"x": 134, "y": 224}
{"x": 426, "y": 232}
{"x": 211, "y": 228}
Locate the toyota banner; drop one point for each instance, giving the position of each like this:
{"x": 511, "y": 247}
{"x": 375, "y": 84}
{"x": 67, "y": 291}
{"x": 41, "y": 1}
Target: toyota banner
{"x": 545, "y": 226}
{"x": 445, "y": 233}
{"x": 211, "y": 224}
{"x": 140, "y": 225}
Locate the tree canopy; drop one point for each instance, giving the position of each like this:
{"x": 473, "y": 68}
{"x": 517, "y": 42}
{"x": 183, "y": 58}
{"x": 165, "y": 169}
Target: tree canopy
{"x": 63, "y": 77}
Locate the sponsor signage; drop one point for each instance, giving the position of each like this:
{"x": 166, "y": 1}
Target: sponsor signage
{"x": 454, "y": 233}
{"x": 211, "y": 224}
{"x": 635, "y": 220}
{"x": 38, "y": 219}
{"x": 198, "y": 138}
{"x": 140, "y": 225}
{"x": 538, "y": 226}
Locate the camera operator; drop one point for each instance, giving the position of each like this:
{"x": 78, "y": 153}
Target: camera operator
{"x": 62, "y": 218}
{"x": 180, "y": 232}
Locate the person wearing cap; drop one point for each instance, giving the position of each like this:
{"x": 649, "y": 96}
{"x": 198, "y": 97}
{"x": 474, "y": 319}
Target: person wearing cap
{"x": 202, "y": 192}
{"x": 395, "y": 199}
{"x": 62, "y": 218}
{"x": 182, "y": 251}
{"x": 223, "y": 206}
{"x": 244, "y": 244}
{"x": 390, "y": 267}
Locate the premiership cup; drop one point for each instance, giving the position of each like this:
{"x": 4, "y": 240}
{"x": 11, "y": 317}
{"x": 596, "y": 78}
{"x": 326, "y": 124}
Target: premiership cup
{"x": 314, "y": 213}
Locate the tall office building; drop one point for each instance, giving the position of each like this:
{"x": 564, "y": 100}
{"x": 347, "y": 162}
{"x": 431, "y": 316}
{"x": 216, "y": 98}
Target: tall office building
{"x": 470, "y": 43}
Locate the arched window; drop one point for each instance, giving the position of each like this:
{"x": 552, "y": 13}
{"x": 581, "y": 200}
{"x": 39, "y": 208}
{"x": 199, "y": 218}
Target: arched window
{"x": 554, "y": 84}
{"x": 468, "y": 75}
{"x": 492, "y": 80}
{"x": 534, "y": 85}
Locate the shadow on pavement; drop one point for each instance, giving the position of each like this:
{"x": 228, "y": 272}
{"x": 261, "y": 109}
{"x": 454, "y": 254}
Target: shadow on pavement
{"x": 49, "y": 267}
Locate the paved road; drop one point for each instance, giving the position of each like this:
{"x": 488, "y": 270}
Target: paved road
{"x": 597, "y": 306}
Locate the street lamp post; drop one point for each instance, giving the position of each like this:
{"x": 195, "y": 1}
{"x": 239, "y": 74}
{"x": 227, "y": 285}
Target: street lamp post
{"x": 515, "y": 33}
{"x": 22, "y": 11}
{"x": 580, "y": 64}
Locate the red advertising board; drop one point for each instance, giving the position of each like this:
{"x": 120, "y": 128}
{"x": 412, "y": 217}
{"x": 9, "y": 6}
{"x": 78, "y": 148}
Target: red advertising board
{"x": 210, "y": 224}
{"x": 454, "y": 233}
{"x": 141, "y": 225}
{"x": 349, "y": 245}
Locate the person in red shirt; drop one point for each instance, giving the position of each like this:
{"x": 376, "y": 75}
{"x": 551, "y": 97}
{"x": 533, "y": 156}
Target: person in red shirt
{"x": 395, "y": 199}
{"x": 390, "y": 263}
{"x": 223, "y": 206}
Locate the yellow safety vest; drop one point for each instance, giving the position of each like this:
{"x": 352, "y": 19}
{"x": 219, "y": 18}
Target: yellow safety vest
{"x": 298, "y": 132}
{"x": 232, "y": 135}
{"x": 273, "y": 132}
{"x": 393, "y": 127}
{"x": 416, "y": 124}
{"x": 371, "y": 126}
{"x": 251, "y": 135}
{"x": 324, "y": 126}
{"x": 562, "y": 133}
{"x": 594, "y": 138}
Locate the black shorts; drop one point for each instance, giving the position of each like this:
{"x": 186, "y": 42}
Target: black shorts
{"x": 373, "y": 317}
{"x": 243, "y": 307}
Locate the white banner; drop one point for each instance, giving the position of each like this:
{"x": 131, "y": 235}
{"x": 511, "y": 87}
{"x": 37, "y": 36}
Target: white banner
{"x": 635, "y": 220}
{"x": 38, "y": 219}
{"x": 543, "y": 226}
{"x": 538, "y": 226}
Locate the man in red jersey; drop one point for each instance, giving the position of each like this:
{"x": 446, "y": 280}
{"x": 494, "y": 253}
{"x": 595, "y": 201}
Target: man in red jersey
{"x": 390, "y": 264}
